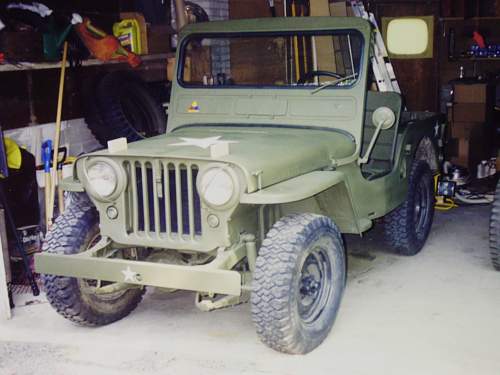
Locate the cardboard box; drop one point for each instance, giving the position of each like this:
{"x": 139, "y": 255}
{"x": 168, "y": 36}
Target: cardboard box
{"x": 464, "y": 129}
{"x": 474, "y": 93}
{"x": 324, "y": 44}
{"x": 338, "y": 9}
{"x": 467, "y": 152}
{"x": 449, "y": 114}
{"x": 319, "y": 8}
{"x": 171, "y": 62}
{"x": 462, "y": 153}
{"x": 469, "y": 112}
{"x": 158, "y": 38}
{"x": 461, "y": 162}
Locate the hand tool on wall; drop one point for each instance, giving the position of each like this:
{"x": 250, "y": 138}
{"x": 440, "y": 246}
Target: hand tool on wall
{"x": 61, "y": 158}
{"x": 58, "y": 131}
{"x": 46, "y": 157}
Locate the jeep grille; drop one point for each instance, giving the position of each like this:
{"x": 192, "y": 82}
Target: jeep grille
{"x": 163, "y": 199}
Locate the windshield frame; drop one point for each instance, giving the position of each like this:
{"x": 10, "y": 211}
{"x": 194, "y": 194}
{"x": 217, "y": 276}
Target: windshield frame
{"x": 306, "y": 32}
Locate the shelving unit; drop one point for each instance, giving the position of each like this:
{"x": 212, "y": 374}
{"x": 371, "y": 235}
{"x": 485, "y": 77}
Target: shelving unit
{"x": 25, "y": 105}
{"x": 463, "y": 27}
{"x": 479, "y": 59}
{"x": 90, "y": 62}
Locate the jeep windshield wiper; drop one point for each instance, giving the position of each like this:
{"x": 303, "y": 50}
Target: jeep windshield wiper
{"x": 332, "y": 83}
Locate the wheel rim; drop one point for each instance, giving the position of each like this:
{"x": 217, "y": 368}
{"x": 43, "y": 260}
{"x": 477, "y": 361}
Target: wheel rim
{"x": 314, "y": 284}
{"x": 421, "y": 208}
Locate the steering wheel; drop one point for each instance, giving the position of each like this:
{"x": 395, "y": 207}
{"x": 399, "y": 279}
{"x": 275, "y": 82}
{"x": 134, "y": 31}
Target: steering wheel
{"x": 316, "y": 73}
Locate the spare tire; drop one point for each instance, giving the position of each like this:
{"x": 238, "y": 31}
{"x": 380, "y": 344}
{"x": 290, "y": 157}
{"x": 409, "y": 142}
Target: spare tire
{"x": 123, "y": 106}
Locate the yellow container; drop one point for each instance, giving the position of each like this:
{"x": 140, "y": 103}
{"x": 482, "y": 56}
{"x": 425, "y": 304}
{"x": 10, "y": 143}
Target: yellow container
{"x": 128, "y": 33}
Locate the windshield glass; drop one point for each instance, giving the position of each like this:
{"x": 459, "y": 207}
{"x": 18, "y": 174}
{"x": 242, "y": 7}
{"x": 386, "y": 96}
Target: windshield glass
{"x": 301, "y": 60}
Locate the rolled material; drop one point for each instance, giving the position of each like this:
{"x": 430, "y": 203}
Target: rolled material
{"x": 180, "y": 14}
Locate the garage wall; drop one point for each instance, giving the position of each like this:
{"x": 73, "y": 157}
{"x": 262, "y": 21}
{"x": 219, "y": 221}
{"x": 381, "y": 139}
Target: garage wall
{"x": 418, "y": 78}
{"x": 253, "y": 8}
{"x": 75, "y": 135}
{"x": 217, "y": 10}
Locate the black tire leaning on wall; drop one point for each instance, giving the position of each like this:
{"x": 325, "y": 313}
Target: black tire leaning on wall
{"x": 74, "y": 231}
{"x": 495, "y": 230}
{"x": 407, "y": 227}
{"x": 121, "y": 105}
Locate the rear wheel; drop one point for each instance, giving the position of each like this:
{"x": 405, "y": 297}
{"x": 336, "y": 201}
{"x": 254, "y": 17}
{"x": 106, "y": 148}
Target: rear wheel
{"x": 75, "y": 299}
{"x": 298, "y": 283}
{"x": 495, "y": 230}
{"x": 407, "y": 227}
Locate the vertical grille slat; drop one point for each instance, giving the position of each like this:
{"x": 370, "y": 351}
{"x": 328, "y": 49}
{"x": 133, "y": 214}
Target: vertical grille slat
{"x": 135, "y": 207}
{"x": 189, "y": 172}
{"x": 178, "y": 198}
{"x": 166, "y": 195}
{"x": 156, "y": 199}
{"x": 145, "y": 199}
{"x": 164, "y": 200}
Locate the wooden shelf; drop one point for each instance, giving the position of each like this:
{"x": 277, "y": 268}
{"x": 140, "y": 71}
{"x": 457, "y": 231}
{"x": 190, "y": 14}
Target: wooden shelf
{"x": 469, "y": 19}
{"x": 23, "y": 66}
{"x": 478, "y": 59}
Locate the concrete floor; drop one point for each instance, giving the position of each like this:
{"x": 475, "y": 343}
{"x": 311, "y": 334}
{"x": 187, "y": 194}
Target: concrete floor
{"x": 435, "y": 313}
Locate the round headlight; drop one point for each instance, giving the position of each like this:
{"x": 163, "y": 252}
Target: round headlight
{"x": 217, "y": 186}
{"x": 102, "y": 178}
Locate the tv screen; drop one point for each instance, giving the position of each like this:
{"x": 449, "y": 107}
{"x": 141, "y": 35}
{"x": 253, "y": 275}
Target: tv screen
{"x": 409, "y": 37}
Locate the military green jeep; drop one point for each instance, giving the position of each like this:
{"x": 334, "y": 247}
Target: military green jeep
{"x": 274, "y": 149}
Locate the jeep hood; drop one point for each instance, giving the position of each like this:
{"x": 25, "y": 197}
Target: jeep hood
{"x": 277, "y": 153}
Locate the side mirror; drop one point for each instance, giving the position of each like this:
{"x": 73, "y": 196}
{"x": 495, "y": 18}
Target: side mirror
{"x": 382, "y": 118}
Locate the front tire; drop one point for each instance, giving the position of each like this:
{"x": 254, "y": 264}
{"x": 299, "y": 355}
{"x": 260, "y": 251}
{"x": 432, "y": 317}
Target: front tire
{"x": 407, "y": 227}
{"x": 298, "y": 283}
{"x": 495, "y": 230}
{"x": 76, "y": 230}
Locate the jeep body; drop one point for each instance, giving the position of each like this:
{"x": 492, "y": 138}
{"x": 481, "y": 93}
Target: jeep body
{"x": 238, "y": 155}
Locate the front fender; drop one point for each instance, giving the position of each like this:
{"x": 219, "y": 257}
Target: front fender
{"x": 294, "y": 189}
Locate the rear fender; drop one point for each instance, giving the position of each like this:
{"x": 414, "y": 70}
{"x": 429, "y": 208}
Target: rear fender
{"x": 422, "y": 140}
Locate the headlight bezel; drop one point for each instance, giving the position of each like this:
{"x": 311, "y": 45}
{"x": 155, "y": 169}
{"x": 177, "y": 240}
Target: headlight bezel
{"x": 121, "y": 179}
{"x": 235, "y": 180}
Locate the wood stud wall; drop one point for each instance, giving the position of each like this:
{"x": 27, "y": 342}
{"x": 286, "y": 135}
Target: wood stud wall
{"x": 419, "y": 78}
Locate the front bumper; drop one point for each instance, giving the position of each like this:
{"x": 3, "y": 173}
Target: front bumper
{"x": 214, "y": 277}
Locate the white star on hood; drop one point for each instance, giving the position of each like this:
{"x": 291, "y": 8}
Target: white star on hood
{"x": 201, "y": 142}
{"x": 129, "y": 274}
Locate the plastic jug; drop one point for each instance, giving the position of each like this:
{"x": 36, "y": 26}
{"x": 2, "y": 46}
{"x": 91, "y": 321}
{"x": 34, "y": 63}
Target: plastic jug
{"x": 128, "y": 33}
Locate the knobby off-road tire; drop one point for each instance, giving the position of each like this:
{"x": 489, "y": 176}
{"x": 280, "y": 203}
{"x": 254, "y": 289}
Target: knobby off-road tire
{"x": 407, "y": 227}
{"x": 73, "y": 232}
{"x": 298, "y": 283}
{"x": 495, "y": 230}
